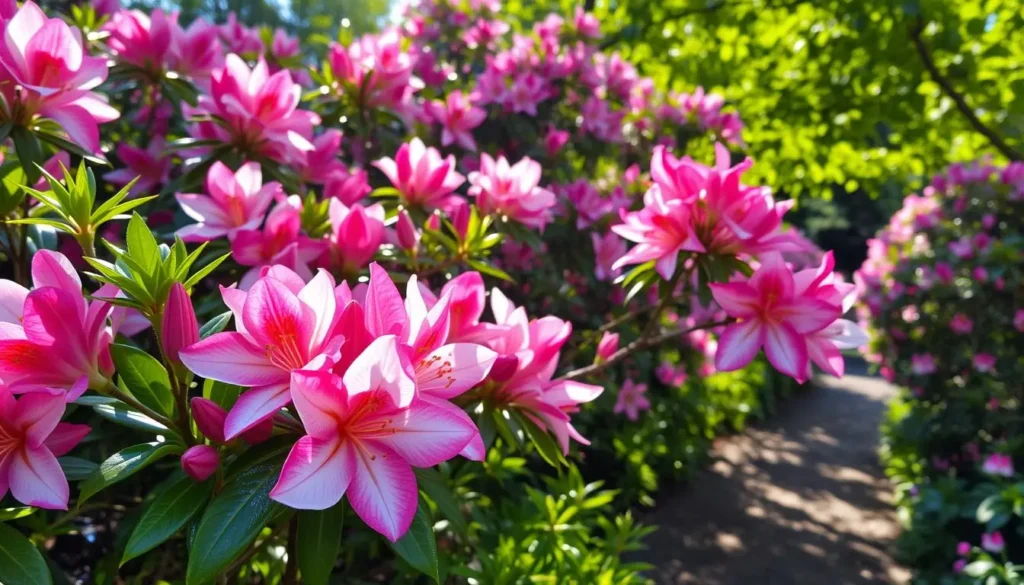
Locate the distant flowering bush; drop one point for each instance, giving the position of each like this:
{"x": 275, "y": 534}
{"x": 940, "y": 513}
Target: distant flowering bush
{"x": 356, "y": 290}
{"x": 940, "y": 292}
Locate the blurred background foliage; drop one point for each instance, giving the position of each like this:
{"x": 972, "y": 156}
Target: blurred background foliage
{"x": 848, "y": 104}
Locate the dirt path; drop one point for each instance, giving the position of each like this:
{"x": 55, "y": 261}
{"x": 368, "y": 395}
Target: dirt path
{"x": 798, "y": 501}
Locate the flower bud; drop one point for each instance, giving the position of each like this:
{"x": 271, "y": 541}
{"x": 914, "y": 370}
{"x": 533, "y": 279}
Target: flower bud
{"x": 200, "y": 462}
{"x": 340, "y": 62}
{"x": 179, "y": 329}
{"x": 408, "y": 237}
{"x": 460, "y": 218}
{"x": 607, "y": 347}
{"x": 209, "y": 417}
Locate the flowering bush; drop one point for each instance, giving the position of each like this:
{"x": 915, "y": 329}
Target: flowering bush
{"x": 401, "y": 257}
{"x": 942, "y": 293}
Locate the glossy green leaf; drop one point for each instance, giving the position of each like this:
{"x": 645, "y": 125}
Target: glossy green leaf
{"x": 124, "y": 464}
{"x": 21, "y": 563}
{"x": 76, "y": 468}
{"x": 418, "y": 546}
{"x": 319, "y": 541}
{"x": 215, "y": 325}
{"x": 144, "y": 376}
{"x": 119, "y": 413}
{"x": 174, "y": 504}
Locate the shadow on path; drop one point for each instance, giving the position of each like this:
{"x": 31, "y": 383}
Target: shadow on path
{"x": 800, "y": 500}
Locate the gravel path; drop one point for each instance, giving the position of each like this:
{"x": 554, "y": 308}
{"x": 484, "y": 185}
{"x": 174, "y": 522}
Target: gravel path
{"x": 799, "y": 501}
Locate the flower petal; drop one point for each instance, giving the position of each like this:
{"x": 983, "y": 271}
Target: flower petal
{"x": 65, "y": 437}
{"x": 318, "y": 295}
{"x": 737, "y": 299}
{"x": 381, "y": 367}
{"x": 738, "y": 345}
{"x": 255, "y": 406}
{"x": 230, "y": 357}
{"x": 385, "y": 311}
{"x": 383, "y": 492}
{"x": 427, "y": 433}
{"x": 37, "y": 479}
{"x": 37, "y": 414}
{"x": 452, "y": 369}
{"x": 786, "y": 350}
{"x": 54, "y": 269}
{"x": 321, "y": 401}
{"x": 315, "y": 474}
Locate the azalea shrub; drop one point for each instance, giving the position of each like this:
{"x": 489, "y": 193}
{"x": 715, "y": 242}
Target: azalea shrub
{"x": 436, "y": 304}
{"x": 943, "y": 296}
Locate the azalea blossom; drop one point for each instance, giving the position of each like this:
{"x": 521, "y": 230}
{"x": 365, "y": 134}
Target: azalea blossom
{"x": 512, "y": 190}
{"x": 31, "y": 439}
{"x": 922, "y": 364}
{"x": 143, "y": 40}
{"x": 984, "y": 362}
{"x": 150, "y": 165}
{"x": 457, "y": 116}
{"x": 51, "y": 336}
{"x": 999, "y": 464}
{"x": 363, "y": 443}
{"x": 776, "y": 311}
{"x": 661, "y": 230}
{"x": 631, "y": 400}
{"x": 421, "y": 176}
{"x": 47, "y": 72}
{"x": 280, "y": 241}
{"x": 234, "y": 201}
{"x": 671, "y": 375}
{"x": 961, "y": 324}
{"x": 607, "y": 251}
{"x": 321, "y": 163}
{"x": 283, "y": 325}
{"x": 258, "y": 111}
{"x": 993, "y": 542}
{"x": 356, "y": 235}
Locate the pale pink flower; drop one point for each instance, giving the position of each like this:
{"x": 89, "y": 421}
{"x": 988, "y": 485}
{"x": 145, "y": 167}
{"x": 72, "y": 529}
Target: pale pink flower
{"x": 993, "y": 542}
{"x": 775, "y": 311}
{"x": 151, "y": 165}
{"x": 52, "y": 336}
{"x": 258, "y": 112}
{"x": 922, "y": 364}
{"x": 234, "y": 201}
{"x": 631, "y": 400}
{"x": 47, "y": 72}
{"x": 984, "y": 362}
{"x": 283, "y": 325}
{"x": 998, "y": 464}
{"x": 200, "y": 462}
{"x": 239, "y": 38}
{"x": 607, "y": 250}
{"x": 512, "y": 191}
{"x": 31, "y": 439}
{"x": 457, "y": 117}
{"x": 421, "y": 176}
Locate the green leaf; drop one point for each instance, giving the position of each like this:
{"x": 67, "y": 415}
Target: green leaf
{"x": 215, "y": 325}
{"x": 76, "y": 468}
{"x": 205, "y": 271}
{"x": 142, "y": 245}
{"x": 232, "y": 522}
{"x": 15, "y": 513}
{"x": 124, "y": 464}
{"x": 319, "y": 541}
{"x": 122, "y": 415}
{"x": 30, "y": 153}
{"x": 545, "y": 444}
{"x": 222, "y": 393}
{"x": 418, "y": 547}
{"x": 21, "y": 563}
{"x": 144, "y": 376}
{"x": 489, "y": 270}
{"x": 175, "y": 503}
{"x": 433, "y": 484}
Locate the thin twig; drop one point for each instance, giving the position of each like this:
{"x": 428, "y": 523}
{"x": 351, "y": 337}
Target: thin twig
{"x": 957, "y": 97}
{"x": 640, "y": 343}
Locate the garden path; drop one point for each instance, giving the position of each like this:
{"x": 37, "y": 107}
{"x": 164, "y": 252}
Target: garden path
{"x": 800, "y": 500}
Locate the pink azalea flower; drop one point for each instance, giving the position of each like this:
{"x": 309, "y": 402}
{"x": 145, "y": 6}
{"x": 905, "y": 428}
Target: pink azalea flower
{"x": 959, "y": 565}
{"x": 52, "y": 336}
{"x": 631, "y": 400}
{"x": 259, "y": 112}
{"x": 607, "y": 250}
{"x": 197, "y": 51}
{"x": 349, "y": 187}
{"x": 364, "y": 444}
{"x": 239, "y": 38}
{"x": 47, "y": 72}
{"x": 31, "y": 439}
{"x": 356, "y": 235}
{"x": 587, "y": 202}
{"x": 321, "y": 164}
{"x": 1018, "y": 320}
{"x": 388, "y": 66}
{"x": 993, "y": 542}
{"x": 922, "y": 364}
{"x": 775, "y": 311}
{"x": 279, "y": 242}
{"x": 143, "y": 40}
{"x": 662, "y": 229}
{"x": 512, "y": 190}
{"x": 961, "y": 324}
{"x": 283, "y": 325}
{"x": 151, "y": 165}
{"x": 421, "y": 176}
{"x": 984, "y": 362}
{"x": 234, "y": 201}
{"x": 669, "y": 375}
{"x": 963, "y": 549}
{"x": 457, "y": 117}
{"x": 283, "y": 46}
{"x": 554, "y": 140}
{"x": 999, "y": 464}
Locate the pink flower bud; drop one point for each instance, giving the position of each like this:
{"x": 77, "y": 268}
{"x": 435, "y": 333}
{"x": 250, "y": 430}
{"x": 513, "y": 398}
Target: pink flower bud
{"x": 408, "y": 237}
{"x": 608, "y": 346}
{"x": 963, "y": 549}
{"x": 434, "y": 222}
{"x": 179, "y": 329}
{"x": 200, "y": 462}
{"x": 340, "y": 62}
{"x": 209, "y": 417}
{"x": 504, "y": 367}
{"x": 460, "y": 218}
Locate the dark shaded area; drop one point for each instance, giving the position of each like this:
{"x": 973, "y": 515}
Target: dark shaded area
{"x": 799, "y": 500}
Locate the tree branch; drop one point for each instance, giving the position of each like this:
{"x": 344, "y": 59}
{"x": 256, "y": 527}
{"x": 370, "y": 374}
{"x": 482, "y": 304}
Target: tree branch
{"x": 957, "y": 97}
{"x": 640, "y": 343}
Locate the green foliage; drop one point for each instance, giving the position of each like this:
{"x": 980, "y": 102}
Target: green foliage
{"x": 20, "y": 561}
